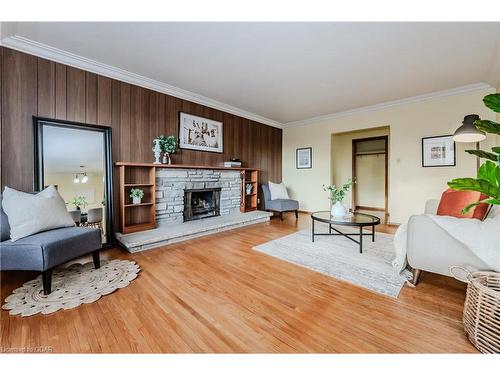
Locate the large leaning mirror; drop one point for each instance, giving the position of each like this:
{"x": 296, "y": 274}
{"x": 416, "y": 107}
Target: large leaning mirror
{"x": 76, "y": 159}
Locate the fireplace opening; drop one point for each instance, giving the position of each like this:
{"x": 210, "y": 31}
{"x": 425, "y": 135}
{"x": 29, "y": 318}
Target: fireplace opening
{"x": 201, "y": 203}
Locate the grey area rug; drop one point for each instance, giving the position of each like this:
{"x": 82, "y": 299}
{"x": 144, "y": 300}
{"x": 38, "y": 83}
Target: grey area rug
{"x": 71, "y": 286}
{"x": 339, "y": 257}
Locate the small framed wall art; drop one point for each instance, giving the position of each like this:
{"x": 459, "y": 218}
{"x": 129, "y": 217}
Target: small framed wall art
{"x": 438, "y": 151}
{"x": 303, "y": 158}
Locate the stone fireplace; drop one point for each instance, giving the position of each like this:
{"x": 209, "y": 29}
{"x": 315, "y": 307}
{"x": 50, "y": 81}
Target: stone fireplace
{"x": 201, "y": 203}
{"x": 172, "y": 185}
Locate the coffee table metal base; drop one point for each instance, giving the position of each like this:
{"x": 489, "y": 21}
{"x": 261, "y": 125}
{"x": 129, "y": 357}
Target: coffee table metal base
{"x": 346, "y": 235}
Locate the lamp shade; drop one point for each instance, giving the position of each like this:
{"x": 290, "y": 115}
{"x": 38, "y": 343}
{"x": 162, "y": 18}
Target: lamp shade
{"x": 468, "y": 133}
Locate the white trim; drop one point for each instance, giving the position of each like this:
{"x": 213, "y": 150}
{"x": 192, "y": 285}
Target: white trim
{"x": 47, "y": 52}
{"x": 377, "y": 107}
{"x": 42, "y": 50}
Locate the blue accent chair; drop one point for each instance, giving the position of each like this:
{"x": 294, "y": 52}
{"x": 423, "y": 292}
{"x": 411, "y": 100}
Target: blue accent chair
{"x": 46, "y": 250}
{"x": 279, "y": 205}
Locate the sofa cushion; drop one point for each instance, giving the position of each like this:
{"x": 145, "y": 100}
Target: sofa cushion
{"x": 453, "y": 202}
{"x": 45, "y": 250}
{"x": 281, "y": 205}
{"x": 29, "y": 214}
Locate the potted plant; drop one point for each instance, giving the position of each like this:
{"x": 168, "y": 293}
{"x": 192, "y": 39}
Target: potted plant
{"x": 337, "y": 195}
{"x": 168, "y": 146}
{"x": 136, "y": 195}
{"x": 79, "y": 202}
{"x": 487, "y": 180}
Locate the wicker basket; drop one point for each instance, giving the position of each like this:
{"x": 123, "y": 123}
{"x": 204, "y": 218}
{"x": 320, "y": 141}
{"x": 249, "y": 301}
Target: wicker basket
{"x": 482, "y": 308}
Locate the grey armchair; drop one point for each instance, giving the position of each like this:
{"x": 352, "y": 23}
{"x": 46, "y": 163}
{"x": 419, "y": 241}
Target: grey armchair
{"x": 45, "y": 250}
{"x": 279, "y": 205}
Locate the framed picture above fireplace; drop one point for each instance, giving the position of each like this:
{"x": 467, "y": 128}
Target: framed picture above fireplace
{"x": 199, "y": 133}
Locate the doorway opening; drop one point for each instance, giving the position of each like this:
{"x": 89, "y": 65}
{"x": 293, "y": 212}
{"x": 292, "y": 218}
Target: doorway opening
{"x": 363, "y": 155}
{"x": 370, "y": 164}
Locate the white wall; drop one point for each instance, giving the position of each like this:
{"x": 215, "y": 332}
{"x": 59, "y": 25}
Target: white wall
{"x": 410, "y": 185}
{"x": 370, "y": 181}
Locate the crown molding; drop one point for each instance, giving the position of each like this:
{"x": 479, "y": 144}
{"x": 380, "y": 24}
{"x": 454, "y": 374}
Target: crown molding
{"x": 395, "y": 103}
{"x": 32, "y": 47}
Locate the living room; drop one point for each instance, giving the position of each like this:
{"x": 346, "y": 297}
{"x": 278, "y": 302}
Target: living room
{"x": 212, "y": 199}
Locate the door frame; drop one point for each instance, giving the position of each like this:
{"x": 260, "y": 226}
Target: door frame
{"x": 385, "y": 209}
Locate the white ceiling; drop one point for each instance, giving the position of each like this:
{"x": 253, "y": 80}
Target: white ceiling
{"x": 287, "y": 72}
{"x": 66, "y": 149}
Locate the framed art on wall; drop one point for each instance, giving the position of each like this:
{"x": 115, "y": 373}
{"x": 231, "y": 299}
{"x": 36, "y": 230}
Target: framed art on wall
{"x": 303, "y": 158}
{"x": 198, "y": 133}
{"x": 438, "y": 151}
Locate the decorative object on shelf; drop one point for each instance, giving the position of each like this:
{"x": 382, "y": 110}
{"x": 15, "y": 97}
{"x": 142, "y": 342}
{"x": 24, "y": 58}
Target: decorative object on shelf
{"x": 248, "y": 188}
{"x": 233, "y": 163}
{"x": 438, "y": 151}
{"x": 303, "y": 158}
{"x": 79, "y": 202}
{"x": 337, "y": 195}
{"x": 487, "y": 181}
{"x": 168, "y": 146}
{"x": 157, "y": 150}
{"x": 201, "y": 134}
{"x": 482, "y": 303}
{"x": 76, "y": 284}
{"x": 136, "y": 195}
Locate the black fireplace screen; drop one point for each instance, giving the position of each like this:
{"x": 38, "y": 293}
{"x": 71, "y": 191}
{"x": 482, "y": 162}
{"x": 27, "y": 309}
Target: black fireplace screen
{"x": 201, "y": 203}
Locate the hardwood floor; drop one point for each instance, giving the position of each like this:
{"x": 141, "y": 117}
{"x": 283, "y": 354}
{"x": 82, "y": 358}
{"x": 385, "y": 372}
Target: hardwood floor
{"x": 215, "y": 294}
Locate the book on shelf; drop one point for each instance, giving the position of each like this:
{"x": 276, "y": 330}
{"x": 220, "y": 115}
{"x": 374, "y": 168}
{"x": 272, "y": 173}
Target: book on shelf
{"x": 232, "y": 164}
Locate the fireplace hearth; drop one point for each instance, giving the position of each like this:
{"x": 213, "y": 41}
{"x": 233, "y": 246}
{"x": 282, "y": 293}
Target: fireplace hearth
{"x": 201, "y": 203}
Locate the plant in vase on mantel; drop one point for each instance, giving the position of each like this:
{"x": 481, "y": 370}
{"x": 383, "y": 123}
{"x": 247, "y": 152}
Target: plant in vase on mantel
{"x": 337, "y": 195}
{"x": 168, "y": 146}
{"x": 136, "y": 195}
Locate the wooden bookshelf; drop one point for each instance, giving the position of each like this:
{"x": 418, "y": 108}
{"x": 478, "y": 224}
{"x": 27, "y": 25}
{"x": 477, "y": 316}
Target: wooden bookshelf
{"x": 249, "y": 201}
{"x": 142, "y": 216}
{"x": 139, "y": 217}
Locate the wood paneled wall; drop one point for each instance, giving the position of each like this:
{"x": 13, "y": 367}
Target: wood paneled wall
{"x": 34, "y": 86}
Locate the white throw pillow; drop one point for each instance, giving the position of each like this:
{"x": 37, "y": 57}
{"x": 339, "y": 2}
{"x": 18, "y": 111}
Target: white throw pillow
{"x": 29, "y": 213}
{"x": 278, "y": 191}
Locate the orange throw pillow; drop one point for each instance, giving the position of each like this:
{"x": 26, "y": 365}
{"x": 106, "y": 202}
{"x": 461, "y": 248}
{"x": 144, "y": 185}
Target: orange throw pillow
{"x": 453, "y": 202}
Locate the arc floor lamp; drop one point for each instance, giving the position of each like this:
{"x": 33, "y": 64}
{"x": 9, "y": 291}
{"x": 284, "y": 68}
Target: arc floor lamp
{"x": 468, "y": 133}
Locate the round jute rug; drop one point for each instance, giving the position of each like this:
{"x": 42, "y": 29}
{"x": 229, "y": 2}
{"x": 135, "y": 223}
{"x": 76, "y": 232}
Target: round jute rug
{"x": 72, "y": 286}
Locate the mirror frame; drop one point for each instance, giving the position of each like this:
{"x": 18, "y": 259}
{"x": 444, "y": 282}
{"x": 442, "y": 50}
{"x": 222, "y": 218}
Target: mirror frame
{"x": 38, "y": 124}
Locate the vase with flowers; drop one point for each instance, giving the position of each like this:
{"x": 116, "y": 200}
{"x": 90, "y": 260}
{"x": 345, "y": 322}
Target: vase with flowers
{"x": 336, "y": 196}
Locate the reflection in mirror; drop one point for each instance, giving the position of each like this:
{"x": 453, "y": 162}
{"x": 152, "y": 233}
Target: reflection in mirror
{"x": 74, "y": 159}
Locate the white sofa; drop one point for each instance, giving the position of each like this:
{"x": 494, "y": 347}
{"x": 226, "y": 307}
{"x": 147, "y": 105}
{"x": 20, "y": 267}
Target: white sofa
{"x": 430, "y": 248}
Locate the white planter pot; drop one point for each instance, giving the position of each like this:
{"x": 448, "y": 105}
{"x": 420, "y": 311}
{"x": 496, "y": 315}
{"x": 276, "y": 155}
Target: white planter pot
{"x": 338, "y": 210}
{"x": 136, "y": 200}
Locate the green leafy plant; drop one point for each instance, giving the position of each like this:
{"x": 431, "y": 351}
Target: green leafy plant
{"x": 137, "y": 193}
{"x": 79, "y": 202}
{"x": 337, "y": 194}
{"x": 487, "y": 180}
{"x": 168, "y": 144}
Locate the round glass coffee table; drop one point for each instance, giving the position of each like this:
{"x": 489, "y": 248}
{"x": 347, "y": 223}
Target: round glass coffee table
{"x": 354, "y": 219}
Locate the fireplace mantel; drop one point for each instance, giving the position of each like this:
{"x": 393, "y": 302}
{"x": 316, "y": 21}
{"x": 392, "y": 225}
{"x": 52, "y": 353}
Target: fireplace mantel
{"x": 180, "y": 166}
{"x": 142, "y": 216}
